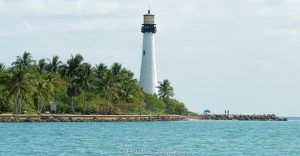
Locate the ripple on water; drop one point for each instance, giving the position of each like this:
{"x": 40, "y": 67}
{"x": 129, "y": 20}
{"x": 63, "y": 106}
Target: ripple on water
{"x": 127, "y": 138}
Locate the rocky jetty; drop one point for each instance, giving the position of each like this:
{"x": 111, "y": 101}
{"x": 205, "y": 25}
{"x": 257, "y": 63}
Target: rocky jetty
{"x": 88, "y": 118}
{"x": 268, "y": 117}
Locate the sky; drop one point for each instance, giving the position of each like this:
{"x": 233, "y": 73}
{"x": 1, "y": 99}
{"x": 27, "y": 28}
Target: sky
{"x": 242, "y": 56}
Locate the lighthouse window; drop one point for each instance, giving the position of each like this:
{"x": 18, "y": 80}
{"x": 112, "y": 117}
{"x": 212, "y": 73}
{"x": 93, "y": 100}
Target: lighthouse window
{"x": 144, "y": 52}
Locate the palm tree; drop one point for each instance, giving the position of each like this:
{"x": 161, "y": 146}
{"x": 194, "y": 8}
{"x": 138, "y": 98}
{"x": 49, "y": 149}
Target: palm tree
{"x": 113, "y": 80}
{"x": 85, "y": 80}
{"x": 108, "y": 81}
{"x": 100, "y": 70}
{"x": 54, "y": 64}
{"x": 42, "y": 66}
{"x": 116, "y": 69}
{"x": 73, "y": 90}
{"x": 63, "y": 70}
{"x": 73, "y": 65}
{"x": 21, "y": 80}
{"x": 2, "y": 67}
{"x": 20, "y": 83}
{"x": 24, "y": 60}
{"x": 166, "y": 91}
{"x": 44, "y": 91}
{"x": 2, "y": 91}
{"x": 71, "y": 70}
{"x": 127, "y": 84}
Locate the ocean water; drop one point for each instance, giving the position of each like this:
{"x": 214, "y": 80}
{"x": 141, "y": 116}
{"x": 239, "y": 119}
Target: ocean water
{"x": 232, "y": 138}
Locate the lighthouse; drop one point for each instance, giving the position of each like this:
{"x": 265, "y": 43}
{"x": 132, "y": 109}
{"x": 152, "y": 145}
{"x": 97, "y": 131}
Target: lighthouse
{"x": 148, "y": 77}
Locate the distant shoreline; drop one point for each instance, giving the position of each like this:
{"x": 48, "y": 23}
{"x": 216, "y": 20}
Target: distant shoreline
{"x": 268, "y": 117}
{"x": 88, "y": 118}
{"x": 131, "y": 118}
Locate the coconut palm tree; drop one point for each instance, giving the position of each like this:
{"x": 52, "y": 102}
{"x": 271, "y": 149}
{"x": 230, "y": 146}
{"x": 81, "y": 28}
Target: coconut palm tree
{"x": 85, "y": 80}
{"x": 116, "y": 69}
{"x": 100, "y": 71}
{"x": 24, "y": 60}
{"x": 127, "y": 88}
{"x": 73, "y": 65}
{"x": 166, "y": 91}
{"x": 20, "y": 84}
{"x": 54, "y": 64}
{"x": 63, "y": 70}
{"x": 71, "y": 70}
{"x": 2, "y": 67}
{"x": 41, "y": 66}
{"x": 2, "y": 82}
{"x": 73, "y": 91}
{"x": 44, "y": 91}
{"x": 21, "y": 80}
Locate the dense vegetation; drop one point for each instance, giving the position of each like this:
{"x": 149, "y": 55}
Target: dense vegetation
{"x": 28, "y": 86}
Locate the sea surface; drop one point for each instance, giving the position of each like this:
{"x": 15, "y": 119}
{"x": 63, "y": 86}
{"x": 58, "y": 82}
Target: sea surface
{"x": 197, "y": 138}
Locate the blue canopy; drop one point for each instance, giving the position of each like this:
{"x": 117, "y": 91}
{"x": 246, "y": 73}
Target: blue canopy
{"x": 206, "y": 111}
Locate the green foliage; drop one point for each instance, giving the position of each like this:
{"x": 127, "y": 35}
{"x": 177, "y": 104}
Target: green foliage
{"x": 29, "y": 86}
{"x": 166, "y": 91}
{"x": 175, "y": 107}
{"x": 154, "y": 104}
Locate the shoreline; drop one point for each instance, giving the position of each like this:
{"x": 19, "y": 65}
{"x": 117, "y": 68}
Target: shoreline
{"x": 264, "y": 117}
{"x": 132, "y": 118}
{"x": 88, "y": 118}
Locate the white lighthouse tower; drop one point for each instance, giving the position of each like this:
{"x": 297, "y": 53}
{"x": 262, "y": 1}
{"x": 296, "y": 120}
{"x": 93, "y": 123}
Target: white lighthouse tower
{"x": 148, "y": 77}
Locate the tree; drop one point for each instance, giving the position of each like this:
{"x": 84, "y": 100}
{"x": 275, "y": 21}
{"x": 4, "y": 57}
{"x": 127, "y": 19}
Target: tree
{"x": 2, "y": 67}
{"x": 73, "y": 91}
{"x": 54, "y": 64}
{"x": 20, "y": 84}
{"x": 45, "y": 90}
{"x": 175, "y": 107}
{"x": 100, "y": 72}
{"x": 2, "y": 90}
{"x": 111, "y": 82}
{"x": 166, "y": 91}
{"x": 24, "y": 60}
{"x": 85, "y": 80}
{"x": 72, "y": 68}
{"x": 42, "y": 66}
{"x": 73, "y": 65}
{"x": 30, "y": 86}
{"x": 128, "y": 90}
{"x": 21, "y": 80}
{"x": 153, "y": 104}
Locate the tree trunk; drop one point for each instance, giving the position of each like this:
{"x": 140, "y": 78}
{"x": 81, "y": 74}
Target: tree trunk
{"x": 84, "y": 104}
{"x": 72, "y": 105}
{"x": 39, "y": 106}
{"x": 20, "y": 104}
{"x": 84, "y": 109}
{"x": 42, "y": 107}
{"x": 16, "y": 103}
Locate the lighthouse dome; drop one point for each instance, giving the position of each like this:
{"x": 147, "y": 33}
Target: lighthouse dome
{"x": 148, "y": 18}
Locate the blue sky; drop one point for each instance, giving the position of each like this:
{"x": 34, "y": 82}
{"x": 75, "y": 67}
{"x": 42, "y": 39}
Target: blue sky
{"x": 238, "y": 55}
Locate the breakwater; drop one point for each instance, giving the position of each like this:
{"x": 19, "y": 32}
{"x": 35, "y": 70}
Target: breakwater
{"x": 88, "y": 118}
{"x": 268, "y": 117}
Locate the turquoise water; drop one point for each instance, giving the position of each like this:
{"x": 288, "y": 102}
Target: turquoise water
{"x": 151, "y": 138}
